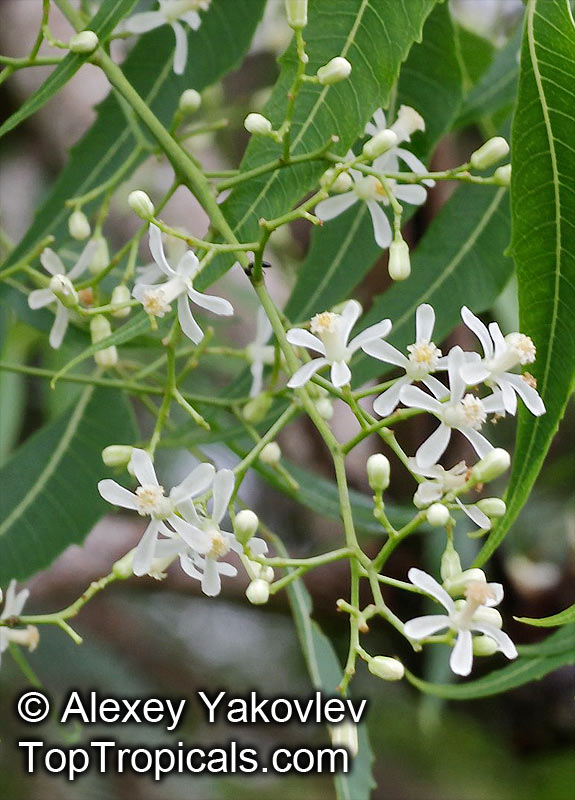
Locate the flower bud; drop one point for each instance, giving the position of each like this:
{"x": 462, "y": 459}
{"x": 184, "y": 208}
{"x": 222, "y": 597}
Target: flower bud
{"x": 120, "y": 295}
{"x": 141, "y": 204}
{"x": 245, "y": 525}
{"x": 190, "y": 101}
{"x": 484, "y": 646}
{"x": 336, "y": 70}
{"x": 266, "y": 573}
{"x": 489, "y": 153}
{"x": 101, "y": 257}
{"x": 296, "y": 12}
{"x": 271, "y": 454}
{"x": 100, "y": 328}
{"x": 257, "y": 408}
{"x": 450, "y": 563}
{"x": 64, "y": 290}
{"x": 117, "y": 455}
{"x": 258, "y": 592}
{"x": 345, "y": 735}
{"x": 437, "y": 515}
{"x": 379, "y": 144}
{"x": 342, "y": 183}
{"x": 378, "y": 472}
{"x": 124, "y": 567}
{"x": 492, "y": 506}
{"x": 84, "y": 42}
{"x": 78, "y": 225}
{"x": 408, "y": 121}
{"x": 458, "y": 584}
{"x": 495, "y": 463}
{"x": 502, "y": 175}
{"x": 258, "y": 124}
{"x": 399, "y": 265}
{"x": 389, "y": 669}
{"x": 324, "y": 408}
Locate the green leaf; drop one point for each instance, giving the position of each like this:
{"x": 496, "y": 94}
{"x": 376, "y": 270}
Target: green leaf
{"x": 375, "y": 36}
{"x": 475, "y": 55}
{"x": 543, "y": 214}
{"x": 459, "y": 261}
{"x": 110, "y": 13}
{"x": 562, "y": 618}
{"x": 496, "y": 90}
{"x": 326, "y": 673}
{"x": 343, "y": 252}
{"x": 49, "y": 496}
{"x": 215, "y": 48}
{"x": 521, "y": 671}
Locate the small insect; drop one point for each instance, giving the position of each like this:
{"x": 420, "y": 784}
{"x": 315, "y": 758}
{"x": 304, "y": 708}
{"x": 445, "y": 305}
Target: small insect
{"x": 249, "y": 270}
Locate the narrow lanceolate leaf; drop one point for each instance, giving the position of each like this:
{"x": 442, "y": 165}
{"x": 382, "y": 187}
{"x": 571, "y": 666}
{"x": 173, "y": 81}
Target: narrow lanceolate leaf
{"x": 215, "y": 48}
{"x": 459, "y": 261}
{"x": 110, "y": 13}
{"x": 562, "y": 618}
{"x": 342, "y": 252}
{"x": 496, "y": 90}
{"x": 49, "y": 496}
{"x": 325, "y": 672}
{"x": 543, "y": 215}
{"x": 375, "y": 36}
{"x": 528, "y": 667}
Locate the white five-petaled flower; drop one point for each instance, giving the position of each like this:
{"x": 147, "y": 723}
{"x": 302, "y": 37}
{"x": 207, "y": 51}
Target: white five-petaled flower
{"x": 13, "y": 606}
{"x": 424, "y": 358}
{"x": 463, "y": 412}
{"x": 464, "y": 618}
{"x": 43, "y": 297}
{"x": 369, "y": 189}
{"x": 156, "y": 298}
{"x": 150, "y": 500}
{"x": 259, "y": 352}
{"x": 204, "y": 562}
{"x": 332, "y": 342}
{"x": 501, "y": 354}
{"x": 171, "y": 12}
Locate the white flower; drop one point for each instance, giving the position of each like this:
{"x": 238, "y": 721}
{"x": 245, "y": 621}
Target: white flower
{"x": 171, "y": 12}
{"x": 463, "y": 618}
{"x": 441, "y": 481}
{"x": 43, "y": 297}
{"x": 462, "y": 412}
{"x": 150, "y": 500}
{"x": 332, "y": 342}
{"x": 424, "y": 358}
{"x": 501, "y": 354}
{"x": 13, "y": 607}
{"x": 204, "y": 563}
{"x": 259, "y": 353}
{"x": 156, "y": 298}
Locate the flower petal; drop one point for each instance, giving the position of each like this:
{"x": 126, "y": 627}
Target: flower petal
{"x": 195, "y": 538}
{"x": 475, "y": 514}
{"x": 116, "y": 494}
{"x": 217, "y": 305}
{"x": 181, "y": 51}
{"x": 143, "y": 468}
{"x": 211, "y": 583}
{"x": 474, "y": 372}
{"x": 422, "y": 627}
{"x": 381, "y": 226}
{"x": 59, "y": 327}
{"x": 187, "y": 564}
{"x": 479, "y": 443}
{"x": 303, "y": 374}
{"x": 52, "y": 262}
{"x": 302, "y": 338}
{"x": 144, "y": 22}
{"x": 188, "y": 266}
{"x": 527, "y": 393}
{"x": 508, "y": 396}
{"x": 424, "y": 322}
{"x": 223, "y": 487}
{"x": 479, "y": 329}
{"x": 435, "y": 386}
{"x": 373, "y": 333}
{"x": 434, "y": 447}
{"x": 263, "y": 327}
{"x": 340, "y": 374}
{"x": 187, "y": 322}
{"x": 414, "y": 397}
{"x": 193, "y": 19}
{"x": 428, "y": 492}
{"x": 414, "y": 164}
{"x": 336, "y": 205}
{"x": 39, "y": 298}
{"x": 414, "y": 195}
{"x": 199, "y": 479}
{"x": 430, "y": 586}
{"x": 386, "y": 352}
{"x": 84, "y": 261}
{"x": 227, "y": 569}
{"x": 157, "y": 250}
{"x": 144, "y": 554}
{"x": 257, "y": 371}
{"x": 387, "y": 401}
{"x": 461, "y": 659}
{"x": 455, "y": 362}
{"x": 502, "y": 639}
{"x": 349, "y": 316}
